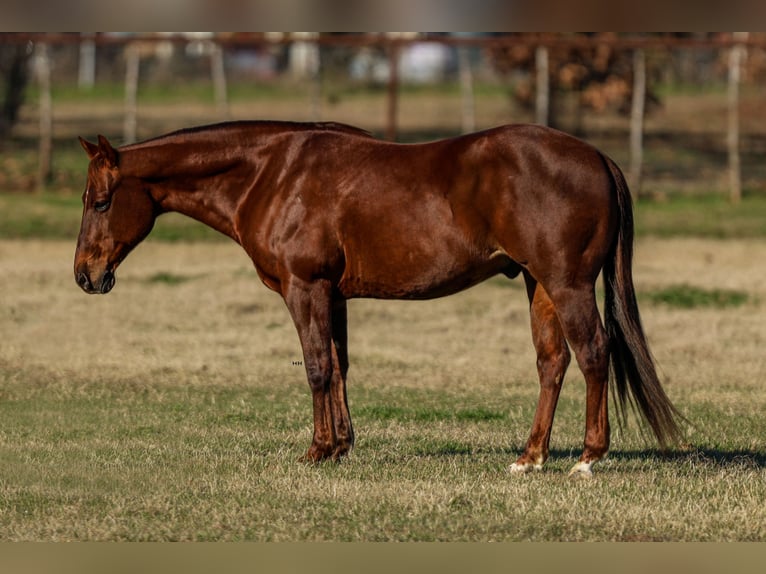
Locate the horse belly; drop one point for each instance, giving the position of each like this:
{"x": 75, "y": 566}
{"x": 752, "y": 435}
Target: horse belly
{"x": 404, "y": 271}
{"x": 416, "y": 242}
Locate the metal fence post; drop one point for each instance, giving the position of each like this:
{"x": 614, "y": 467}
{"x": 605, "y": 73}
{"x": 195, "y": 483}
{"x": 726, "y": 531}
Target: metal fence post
{"x": 132, "y": 64}
{"x": 637, "y": 121}
{"x": 393, "y": 91}
{"x": 43, "y": 73}
{"x": 542, "y": 86}
{"x": 736, "y": 54}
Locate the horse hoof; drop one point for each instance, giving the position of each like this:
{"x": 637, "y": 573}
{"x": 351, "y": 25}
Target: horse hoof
{"x": 315, "y": 456}
{"x": 524, "y": 468}
{"x": 340, "y": 453}
{"x": 581, "y": 470}
{"x": 307, "y": 459}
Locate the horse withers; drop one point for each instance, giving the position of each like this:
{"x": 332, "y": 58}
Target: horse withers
{"x": 328, "y": 213}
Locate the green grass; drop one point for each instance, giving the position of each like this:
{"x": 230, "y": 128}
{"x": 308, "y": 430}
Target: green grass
{"x": 168, "y": 92}
{"x": 175, "y": 408}
{"x": 18, "y": 167}
{"x": 173, "y": 91}
{"x": 171, "y": 279}
{"x": 429, "y": 413}
{"x": 691, "y": 297}
{"x": 155, "y": 461}
{"x": 39, "y": 216}
{"x": 57, "y": 216}
{"x": 709, "y": 215}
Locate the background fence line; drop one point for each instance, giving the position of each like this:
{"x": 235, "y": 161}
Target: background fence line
{"x": 140, "y": 46}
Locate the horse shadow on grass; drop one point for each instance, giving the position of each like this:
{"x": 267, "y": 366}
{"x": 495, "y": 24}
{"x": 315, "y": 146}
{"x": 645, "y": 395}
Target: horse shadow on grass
{"x": 714, "y": 457}
{"x": 696, "y": 456}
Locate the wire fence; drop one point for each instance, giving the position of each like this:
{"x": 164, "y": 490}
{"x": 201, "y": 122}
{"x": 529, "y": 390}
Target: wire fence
{"x": 677, "y": 111}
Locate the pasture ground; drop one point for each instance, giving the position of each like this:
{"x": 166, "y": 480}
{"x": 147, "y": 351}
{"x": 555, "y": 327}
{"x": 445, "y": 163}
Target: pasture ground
{"x": 174, "y": 408}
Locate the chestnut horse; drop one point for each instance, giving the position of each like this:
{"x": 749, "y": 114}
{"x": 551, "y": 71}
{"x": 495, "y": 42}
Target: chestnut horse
{"x": 327, "y": 213}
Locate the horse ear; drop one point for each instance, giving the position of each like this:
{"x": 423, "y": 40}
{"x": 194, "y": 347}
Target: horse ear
{"x": 90, "y": 149}
{"x": 107, "y": 151}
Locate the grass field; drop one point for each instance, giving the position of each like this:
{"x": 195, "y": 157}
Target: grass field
{"x": 174, "y": 408}
{"x": 171, "y": 409}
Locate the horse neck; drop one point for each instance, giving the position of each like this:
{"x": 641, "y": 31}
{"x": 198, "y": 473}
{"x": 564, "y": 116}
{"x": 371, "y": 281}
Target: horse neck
{"x": 200, "y": 179}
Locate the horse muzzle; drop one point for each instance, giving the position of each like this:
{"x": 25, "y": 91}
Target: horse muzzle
{"x": 102, "y": 284}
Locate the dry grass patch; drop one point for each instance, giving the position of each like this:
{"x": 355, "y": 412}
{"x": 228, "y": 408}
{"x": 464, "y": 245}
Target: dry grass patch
{"x": 171, "y": 410}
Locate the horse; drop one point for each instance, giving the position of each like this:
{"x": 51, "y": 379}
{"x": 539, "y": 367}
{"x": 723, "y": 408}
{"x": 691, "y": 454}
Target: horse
{"x": 327, "y": 213}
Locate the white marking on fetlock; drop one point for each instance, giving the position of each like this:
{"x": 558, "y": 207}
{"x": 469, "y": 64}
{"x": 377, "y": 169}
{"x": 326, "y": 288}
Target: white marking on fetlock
{"x": 517, "y": 468}
{"x": 582, "y": 470}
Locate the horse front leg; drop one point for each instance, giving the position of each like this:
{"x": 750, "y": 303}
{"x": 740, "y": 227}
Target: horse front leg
{"x": 344, "y": 429}
{"x": 310, "y": 306}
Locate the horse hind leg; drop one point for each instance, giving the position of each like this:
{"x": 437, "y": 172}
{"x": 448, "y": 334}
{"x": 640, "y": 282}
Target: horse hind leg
{"x": 581, "y": 324}
{"x": 552, "y": 362}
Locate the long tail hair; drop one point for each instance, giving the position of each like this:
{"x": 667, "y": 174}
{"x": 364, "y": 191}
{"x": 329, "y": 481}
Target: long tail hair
{"x": 633, "y": 377}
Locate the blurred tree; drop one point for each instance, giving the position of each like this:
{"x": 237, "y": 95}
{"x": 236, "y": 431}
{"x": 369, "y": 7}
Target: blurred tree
{"x": 600, "y": 76}
{"x": 14, "y": 73}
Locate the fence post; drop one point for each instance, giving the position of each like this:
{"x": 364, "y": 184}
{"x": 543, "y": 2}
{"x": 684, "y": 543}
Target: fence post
{"x": 393, "y": 90}
{"x": 468, "y": 108}
{"x": 86, "y": 73}
{"x": 542, "y": 86}
{"x": 43, "y": 73}
{"x": 218, "y": 72}
{"x": 736, "y": 54}
{"x": 132, "y": 64}
{"x": 637, "y": 121}
{"x": 315, "y": 81}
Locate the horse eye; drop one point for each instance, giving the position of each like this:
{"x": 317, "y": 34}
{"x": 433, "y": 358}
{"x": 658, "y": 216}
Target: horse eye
{"x": 102, "y": 206}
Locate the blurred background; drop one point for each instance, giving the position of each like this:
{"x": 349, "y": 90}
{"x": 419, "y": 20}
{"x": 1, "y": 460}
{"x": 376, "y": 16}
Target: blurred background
{"x": 683, "y": 114}
{"x": 152, "y": 414}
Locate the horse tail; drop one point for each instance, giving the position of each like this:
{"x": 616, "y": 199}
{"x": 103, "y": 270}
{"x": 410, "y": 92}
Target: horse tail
{"x": 633, "y": 377}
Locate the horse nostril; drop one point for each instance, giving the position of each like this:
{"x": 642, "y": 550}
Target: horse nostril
{"x": 84, "y": 281}
{"x": 107, "y": 282}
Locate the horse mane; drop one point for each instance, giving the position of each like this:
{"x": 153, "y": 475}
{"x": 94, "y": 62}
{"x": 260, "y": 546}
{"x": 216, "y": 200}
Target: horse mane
{"x": 264, "y": 125}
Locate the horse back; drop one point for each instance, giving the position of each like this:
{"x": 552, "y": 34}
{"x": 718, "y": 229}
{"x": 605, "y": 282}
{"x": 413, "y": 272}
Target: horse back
{"x": 424, "y": 220}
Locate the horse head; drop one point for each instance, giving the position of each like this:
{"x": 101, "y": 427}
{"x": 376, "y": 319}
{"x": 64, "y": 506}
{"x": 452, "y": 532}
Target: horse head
{"x": 118, "y": 212}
